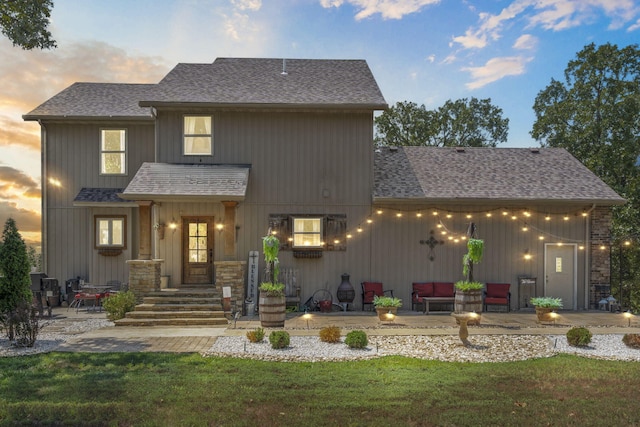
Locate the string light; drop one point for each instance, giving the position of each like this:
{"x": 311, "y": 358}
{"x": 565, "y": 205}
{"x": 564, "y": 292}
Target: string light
{"x": 457, "y": 236}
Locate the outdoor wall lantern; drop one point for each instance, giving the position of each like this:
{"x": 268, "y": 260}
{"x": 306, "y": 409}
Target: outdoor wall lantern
{"x": 220, "y": 227}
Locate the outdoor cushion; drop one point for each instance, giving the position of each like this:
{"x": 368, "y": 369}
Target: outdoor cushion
{"x": 422, "y": 290}
{"x": 497, "y": 290}
{"x": 371, "y": 289}
{"x": 443, "y": 289}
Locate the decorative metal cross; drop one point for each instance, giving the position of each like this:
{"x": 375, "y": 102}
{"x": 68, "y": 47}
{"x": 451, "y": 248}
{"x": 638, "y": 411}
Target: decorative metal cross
{"x": 432, "y": 243}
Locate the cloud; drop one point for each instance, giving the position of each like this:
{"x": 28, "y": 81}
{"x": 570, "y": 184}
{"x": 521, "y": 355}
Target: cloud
{"x": 495, "y": 69}
{"x": 555, "y": 15}
{"x": 431, "y": 58}
{"x": 15, "y": 183}
{"x": 388, "y": 9}
{"x": 634, "y": 26}
{"x": 28, "y": 78}
{"x": 17, "y": 132}
{"x": 253, "y": 5}
{"x": 237, "y": 24}
{"x": 26, "y": 220}
{"x": 526, "y": 42}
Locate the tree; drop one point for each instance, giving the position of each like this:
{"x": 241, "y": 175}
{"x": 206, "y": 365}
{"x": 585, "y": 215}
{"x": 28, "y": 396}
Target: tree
{"x": 15, "y": 283}
{"x": 595, "y": 114}
{"x": 25, "y": 23}
{"x": 469, "y": 123}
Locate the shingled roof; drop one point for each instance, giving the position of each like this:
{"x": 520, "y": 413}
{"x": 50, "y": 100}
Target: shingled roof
{"x": 450, "y": 175}
{"x": 271, "y": 82}
{"x": 163, "y": 181}
{"x": 96, "y": 100}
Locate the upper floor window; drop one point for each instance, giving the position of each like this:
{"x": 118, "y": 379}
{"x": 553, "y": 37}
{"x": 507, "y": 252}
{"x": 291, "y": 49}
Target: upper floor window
{"x": 307, "y": 233}
{"x": 110, "y": 231}
{"x": 113, "y": 144}
{"x": 197, "y": 136}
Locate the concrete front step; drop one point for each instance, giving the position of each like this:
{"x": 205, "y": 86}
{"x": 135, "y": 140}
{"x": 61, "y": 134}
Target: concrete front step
{"x": 175, "y": 314}
{"x": 181, "y": 300}
{"x": 176, "y": 322}
{"x": 178, "y": 307}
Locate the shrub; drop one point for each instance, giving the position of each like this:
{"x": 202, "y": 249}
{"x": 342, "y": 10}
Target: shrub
{"x": 356, "y": 339}
{"x": 631, "y": 340}
{"x": 279, "y": 339}
{"x": 578, "y": 336}
{"x": 257, "y": 335}
{"x": 24, "y": 321}
{"x": 119, "y": 304}
{"x": 330, "y": 334}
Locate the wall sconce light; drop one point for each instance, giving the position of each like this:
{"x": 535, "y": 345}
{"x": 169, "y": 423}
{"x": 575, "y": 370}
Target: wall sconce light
{"x": 527, "y": 255}
{"x": 173, "y": 225}
{"x": 219, "y": 227}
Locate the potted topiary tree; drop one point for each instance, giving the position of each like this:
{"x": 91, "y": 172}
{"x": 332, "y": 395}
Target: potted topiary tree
{"x": 545, "y": 306}
{"x": 386, "y": 307}
{"x": 469, "y": 292}
{"x": 272, "y": 308}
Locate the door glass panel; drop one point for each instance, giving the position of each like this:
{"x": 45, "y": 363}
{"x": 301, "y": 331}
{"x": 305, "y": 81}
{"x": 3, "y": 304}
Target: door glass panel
{"x": 198, "y": 242}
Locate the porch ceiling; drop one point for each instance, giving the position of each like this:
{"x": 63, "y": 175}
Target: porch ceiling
{"x": 163, "y": 181}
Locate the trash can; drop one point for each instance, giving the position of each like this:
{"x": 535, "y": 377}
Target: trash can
{"x": 51, "y": 290}
{"x": 249, "y": 308}
{"x": 165, "y": 281}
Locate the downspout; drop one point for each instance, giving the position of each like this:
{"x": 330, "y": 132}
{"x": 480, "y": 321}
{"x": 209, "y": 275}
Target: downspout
{"x": 587, "y": 258}
{"x": 154, "y": 114}
{"x": 43, "y": 199}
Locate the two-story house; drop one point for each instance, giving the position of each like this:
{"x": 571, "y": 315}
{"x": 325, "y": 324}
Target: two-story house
{"x": 183, "y": 179}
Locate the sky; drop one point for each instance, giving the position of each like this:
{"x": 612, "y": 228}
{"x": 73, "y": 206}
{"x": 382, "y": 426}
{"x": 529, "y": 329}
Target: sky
{"x": 423, "y": 51}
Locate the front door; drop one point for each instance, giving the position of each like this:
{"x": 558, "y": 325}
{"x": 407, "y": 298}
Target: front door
{"x": 560, "y": 273}
{"x": 197, "y": 250}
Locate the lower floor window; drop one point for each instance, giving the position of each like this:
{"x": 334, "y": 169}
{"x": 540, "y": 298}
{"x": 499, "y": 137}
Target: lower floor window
{"x": 307, "y": 232}
{"x": 110, "y": 231}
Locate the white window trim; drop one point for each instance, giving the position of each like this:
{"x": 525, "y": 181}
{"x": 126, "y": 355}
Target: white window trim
{"x": 126, "y": 154}
{"x": 195, "y": 135}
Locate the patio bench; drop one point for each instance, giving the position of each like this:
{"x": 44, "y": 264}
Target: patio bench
{"x": 425, "y": 293}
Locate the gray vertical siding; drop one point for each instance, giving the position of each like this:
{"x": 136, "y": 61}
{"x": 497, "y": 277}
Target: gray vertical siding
{"x": 73, "y": 157}
{"x": 301, "y": 163}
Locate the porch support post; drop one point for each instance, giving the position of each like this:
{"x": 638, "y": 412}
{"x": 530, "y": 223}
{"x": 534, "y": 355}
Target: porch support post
{"x": 232, "y": 274}
{"x": 144, "y": 209}
{"x": 230, "y": 228}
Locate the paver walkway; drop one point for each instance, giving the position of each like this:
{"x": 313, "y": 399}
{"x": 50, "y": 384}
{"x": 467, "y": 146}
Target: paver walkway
{"x": 200, "y": 339}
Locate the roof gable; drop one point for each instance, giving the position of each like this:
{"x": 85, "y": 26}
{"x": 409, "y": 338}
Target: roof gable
{"x": 267, "y": 82}
{"x": 487, "y": 174}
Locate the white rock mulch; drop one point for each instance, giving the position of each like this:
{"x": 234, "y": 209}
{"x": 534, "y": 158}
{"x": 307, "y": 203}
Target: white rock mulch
{"x": 52, "y": 334}
{"x": 483, "y": 348}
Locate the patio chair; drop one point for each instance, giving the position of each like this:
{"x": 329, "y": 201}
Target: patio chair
{"x": 371, "y": 290}
{"x": 497, "y": 294}
{"x": 114, "y": 286}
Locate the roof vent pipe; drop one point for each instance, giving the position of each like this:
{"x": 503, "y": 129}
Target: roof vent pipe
{"x": 284, "y": 67}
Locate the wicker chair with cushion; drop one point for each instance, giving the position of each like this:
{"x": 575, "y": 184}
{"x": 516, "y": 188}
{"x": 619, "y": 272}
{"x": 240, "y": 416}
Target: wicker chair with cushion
{"x": 497, "y": 294}
{"x": 371, "y": 290}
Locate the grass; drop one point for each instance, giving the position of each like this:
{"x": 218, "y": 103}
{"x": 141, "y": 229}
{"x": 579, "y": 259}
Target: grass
{"x": 156, "y": 389}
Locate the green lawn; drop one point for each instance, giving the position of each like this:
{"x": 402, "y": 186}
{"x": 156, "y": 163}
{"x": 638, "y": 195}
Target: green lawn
{"x": 138, "y": 389}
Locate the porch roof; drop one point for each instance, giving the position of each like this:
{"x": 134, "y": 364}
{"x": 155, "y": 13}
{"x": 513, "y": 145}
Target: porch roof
{"x": 100, "y": 197}
{"x": 163, "y": 181}
{"x": 486, "y": 175}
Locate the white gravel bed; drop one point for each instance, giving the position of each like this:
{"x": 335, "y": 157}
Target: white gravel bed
{"x": 483, "y": 348}
{"x": 52, "y": 334}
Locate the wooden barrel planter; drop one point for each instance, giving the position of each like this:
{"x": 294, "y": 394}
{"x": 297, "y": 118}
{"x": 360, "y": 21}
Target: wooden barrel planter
{"x": 470, "y": 302}
{"x": 544, "y": 314}
{"x": 272, "y": 311}
{"x": 383, "y": 313}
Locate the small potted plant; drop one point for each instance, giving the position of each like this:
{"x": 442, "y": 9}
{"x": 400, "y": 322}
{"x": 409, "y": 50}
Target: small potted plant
{"x": 386, "y": 307}
{"x": 545, "y": 306}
